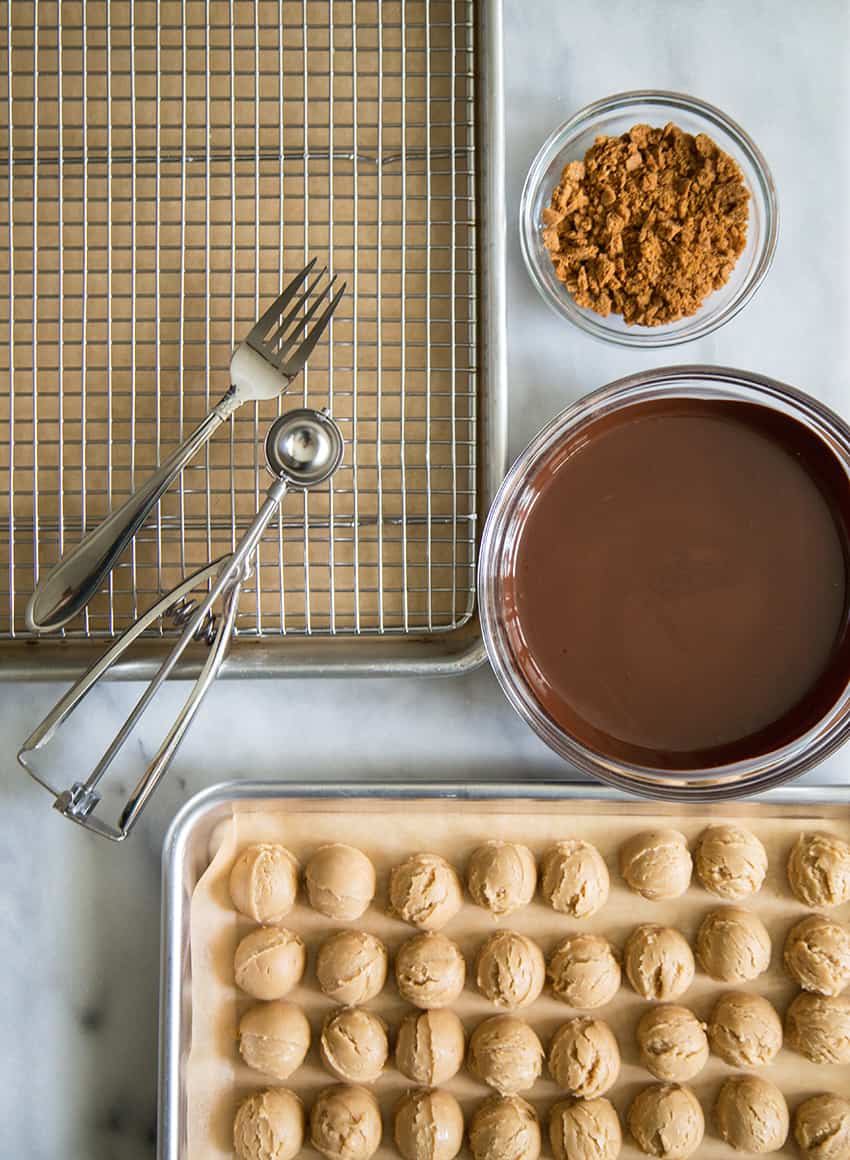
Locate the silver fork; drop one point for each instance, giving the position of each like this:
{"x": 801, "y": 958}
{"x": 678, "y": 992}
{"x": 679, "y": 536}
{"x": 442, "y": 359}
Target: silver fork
{"x": 262, "y": 367}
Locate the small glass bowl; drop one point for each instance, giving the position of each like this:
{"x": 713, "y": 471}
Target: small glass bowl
{"x": 612, "y": 117}
{"x": 498, "y": 548}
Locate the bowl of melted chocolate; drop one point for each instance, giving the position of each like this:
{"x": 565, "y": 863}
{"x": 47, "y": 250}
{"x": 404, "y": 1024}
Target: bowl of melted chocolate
{"x": 664, "y": 583}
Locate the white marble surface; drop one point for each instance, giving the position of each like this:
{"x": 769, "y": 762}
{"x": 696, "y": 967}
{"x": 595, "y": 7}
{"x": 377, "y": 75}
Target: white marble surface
{"x": 79, "y": 930}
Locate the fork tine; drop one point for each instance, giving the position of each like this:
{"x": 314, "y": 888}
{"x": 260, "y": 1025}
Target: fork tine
{"x": 264, "y": 323}
{"x": 298, "y": 330}
{"x": 273, "y": 341}
{"x": 294, "y": 364}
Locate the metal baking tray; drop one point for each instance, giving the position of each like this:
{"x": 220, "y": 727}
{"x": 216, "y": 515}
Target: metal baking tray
{"x": 164, "y": 167}
{"x": 186, "y": 856}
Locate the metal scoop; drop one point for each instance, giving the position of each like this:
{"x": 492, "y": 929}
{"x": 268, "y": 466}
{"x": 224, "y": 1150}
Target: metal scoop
{"x": 303, "y": 449}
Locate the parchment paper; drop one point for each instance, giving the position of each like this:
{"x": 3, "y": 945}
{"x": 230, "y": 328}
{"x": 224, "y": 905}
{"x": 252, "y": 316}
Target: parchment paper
{"x": 216, "y": 1078}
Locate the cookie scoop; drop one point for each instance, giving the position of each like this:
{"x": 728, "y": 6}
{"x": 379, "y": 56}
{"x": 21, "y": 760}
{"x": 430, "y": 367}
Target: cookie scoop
{"x": 584, "y": 971}
{"x": 264, "y": 882}
{"x": 672, "y": 1043}
{"x": 585, "y": 1130}
{"x": 819, "y": 869}
{"x": 659, "y": 962}
{"x": 751, "y": 1114}
{"x": 506, "y": 1054}
{"x": 351, "y": 967}
{"x": 345, "y": 1123}
{"x": 733, "y": 945}
{"x": 666, "y": 1120}
{"x": 269, "y": 1125}
{"x": 511, "y": 970}
{"x": 730, "y": 862}
{"x": 430, "y": 970}
{"x": 340, "y": 881}
{"x": 574, "y": 879}
{"x": 428, "y": 1125}
{"x": 501, "y": 876}
{"x": 584, "y": 1057}
{"x": 504, "y": 1128}
{"x": 656, "y": 864}
{"x": 817, "y": 954}
{"x": 744, "y": 1029}
{"x": 425, "y": 891}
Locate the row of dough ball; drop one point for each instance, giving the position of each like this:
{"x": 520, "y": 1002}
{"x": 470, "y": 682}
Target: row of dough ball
{"x": 665, "y": 1120}
{"x": 504, "y": 1051}
{"x": 425, "y": 889}
{"x": 732, "y": 946}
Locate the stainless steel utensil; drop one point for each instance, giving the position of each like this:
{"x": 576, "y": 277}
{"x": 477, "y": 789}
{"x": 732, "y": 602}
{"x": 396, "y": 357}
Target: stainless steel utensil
{"x": 262, "y": 367}
{"x": 303, "y": 449}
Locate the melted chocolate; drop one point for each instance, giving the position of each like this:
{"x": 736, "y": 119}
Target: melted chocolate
{"x": 679, "y": 595}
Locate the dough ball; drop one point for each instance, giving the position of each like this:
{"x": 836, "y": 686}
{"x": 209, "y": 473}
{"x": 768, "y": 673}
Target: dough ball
{"x": 274, "y": 1038}
{"x": 733, "y": 945}
{"x": 817, "y": 954}
{"x": 264, "y": 882}
{"x": 430, "y": 1046}
{"x": 504, "y": 1128}
{"x": 751, "y": 1114}
{"x": 584, "y": 971}
{"x": 354, "y": 1045}
{"x": 659, "y": 963}
{"x": 511, "y": 969}
{"x": 585, "y": 1130}
{"x": 428, "y": 1125}
{"x": 506, "y": 1054}
{"x": 819, "y": 869}
{"x": 818, "y": 1026}
{"x": 351, "y": 967}
{"x": 822, "y": 1127}
{"x": 340, "y": 881}
{"x": 584, "y": 1057}
{"x": 425, "y": 891}
{"x": 269, "y": 1125}
{"x": 269, "y": 962}
{"x": 501, "y": 876}
{"x": 656, "y": 864}
{"x": 730, "y": 862}
{"x": 345, "y": 1123}
{"x": 574, "y": 878}
{"x": 666, "y": 1120}
{"x": 429, "y": 970}
{"x": 672, "y": 1043}
{"x": 744, "y": 1029}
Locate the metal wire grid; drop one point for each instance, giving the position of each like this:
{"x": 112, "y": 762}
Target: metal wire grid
{"x": 165, "y": 166}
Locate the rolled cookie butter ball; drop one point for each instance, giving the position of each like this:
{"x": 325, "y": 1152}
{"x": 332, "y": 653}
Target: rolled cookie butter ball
{"x": 504, "y": 1128}
{"x": 666, "y": 1120}
{"x": 264, "y": 882}
{"x": 501, "y": 876}
{"x": 430, "y": 1046}
{"x": 574, "y": 878}
{"x": 354, "y": 1045}
{"x": 818, "y": 1026}
{"x": 274, "y": 1038}
{"x": 730, "y": 862}
{"x": 506, "y": 1054}
{"x": 817, "y": 954}
{"x": 340, "y": 881}
{"x": 511, "y": 969}
{"x": 425, "y": 891}
{"x": 269, "y": 1125}
{"x": 672, "y": 1043}
{"x": 656, "y": 864}
{"x": 584, "y": 1057}
{"x": 822, "y": 1127}
{"x": 269, "y": 962}
{"x": 351, "y": 967}
{"x": 585, "y": 1130}
{"x": 744, "y": 1029}
{"x": 429, "y": 970}
{"x": 584, "y": 971}
{"x": 733, "y": 945}
{"x": 751, "y": 1114}
{"x": 345, "y": 1123}
{"x": 819, "y": 870}
{"x": 659, "y": 963}
{"x": 428, "y": 1125}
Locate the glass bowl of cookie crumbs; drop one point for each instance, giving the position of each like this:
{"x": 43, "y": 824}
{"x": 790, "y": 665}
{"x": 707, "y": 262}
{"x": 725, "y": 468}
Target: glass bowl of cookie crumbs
{"x": 649, "y": 219}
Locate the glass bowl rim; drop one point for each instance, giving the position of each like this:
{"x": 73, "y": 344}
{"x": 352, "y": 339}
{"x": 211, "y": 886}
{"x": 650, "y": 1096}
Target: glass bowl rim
{"x": 705, "y": 321}
{"x": 738, "y": 779}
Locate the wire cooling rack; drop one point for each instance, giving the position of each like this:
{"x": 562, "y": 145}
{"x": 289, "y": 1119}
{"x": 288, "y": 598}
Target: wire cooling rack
{"x": 164, "y": 168}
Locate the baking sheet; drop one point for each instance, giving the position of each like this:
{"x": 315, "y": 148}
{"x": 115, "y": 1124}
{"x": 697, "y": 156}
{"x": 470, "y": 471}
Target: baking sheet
{"x": 387, "y": 831}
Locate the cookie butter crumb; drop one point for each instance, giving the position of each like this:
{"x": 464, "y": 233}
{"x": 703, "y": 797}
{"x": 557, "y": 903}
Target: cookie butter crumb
{"x": 648, "y": 224}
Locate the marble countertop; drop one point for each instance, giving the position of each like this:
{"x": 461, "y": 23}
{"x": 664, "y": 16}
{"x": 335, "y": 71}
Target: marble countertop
{"x": 80, "y": 929}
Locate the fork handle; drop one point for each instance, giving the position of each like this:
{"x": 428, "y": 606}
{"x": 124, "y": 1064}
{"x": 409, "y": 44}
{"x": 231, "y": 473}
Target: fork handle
{"x": 69, "y": 585}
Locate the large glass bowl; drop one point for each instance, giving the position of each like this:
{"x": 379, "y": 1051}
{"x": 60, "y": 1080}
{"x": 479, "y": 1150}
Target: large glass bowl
{"x": 503, "y": 529}
{"x": 612, "y": 117}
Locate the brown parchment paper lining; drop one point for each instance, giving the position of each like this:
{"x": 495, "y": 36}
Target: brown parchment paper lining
{"x": 216, "y": 1079}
